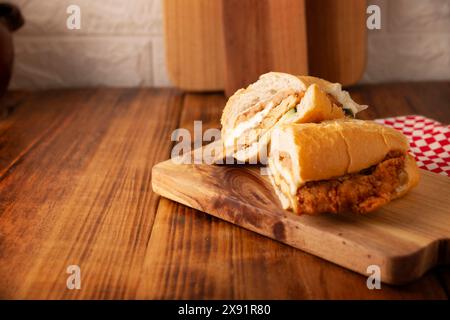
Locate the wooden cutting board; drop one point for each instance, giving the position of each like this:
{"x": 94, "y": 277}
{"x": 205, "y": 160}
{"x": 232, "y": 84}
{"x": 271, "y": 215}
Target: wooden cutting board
{"x": 262, "y": 36}
{"x": 405, "y": 238}
{"x": 337, "y": 39}
{"x": 195, "y": 52}
{"x": 214, "y": 45}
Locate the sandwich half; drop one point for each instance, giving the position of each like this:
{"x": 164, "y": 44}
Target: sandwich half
{"x": 339, "y": 166}
{"x": 250, "y": 114}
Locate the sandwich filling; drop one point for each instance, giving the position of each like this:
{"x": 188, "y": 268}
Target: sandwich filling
{"x": 253, "y": 126}
{"x": 277, "y": 98}
{"x": 360, "y": 192}
{"x": 254, "y": 123}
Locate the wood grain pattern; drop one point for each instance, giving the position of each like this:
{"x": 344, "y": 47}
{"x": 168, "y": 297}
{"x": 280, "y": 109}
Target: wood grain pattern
{"x": 23, "y": 126}
{"x": 192, "y": 255}
{"x": 405, "y": 238}
{"x": 226, "y": 44}
{"x": 82, "y": 196}
{"x": 194, "y": 44}
{"x": 337, "y": 39}
{"x": 69, "y": 195}
{"x": 262, "y": 36}
{"x": 428, "y": 99}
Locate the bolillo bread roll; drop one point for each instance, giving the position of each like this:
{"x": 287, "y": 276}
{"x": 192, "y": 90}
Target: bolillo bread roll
{"x": 340, "y": 165}
{"x": 251, "y": 114}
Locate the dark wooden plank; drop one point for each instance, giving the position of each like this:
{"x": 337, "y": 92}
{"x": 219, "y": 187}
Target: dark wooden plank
{"x": 82, "y": 195}
{"x": 27, "y": 118}
{"x": 192, "y": 255}
{"x": 430, "y": 99}
{"x": 204, "y": 107}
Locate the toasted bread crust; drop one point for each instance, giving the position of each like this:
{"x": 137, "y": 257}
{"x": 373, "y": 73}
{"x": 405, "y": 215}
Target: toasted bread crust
{"x": 262, "y": 98}
{"x": 335, "y": 148}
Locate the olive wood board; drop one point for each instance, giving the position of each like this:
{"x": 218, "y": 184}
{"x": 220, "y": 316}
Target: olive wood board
{"x": 405, "y": 238}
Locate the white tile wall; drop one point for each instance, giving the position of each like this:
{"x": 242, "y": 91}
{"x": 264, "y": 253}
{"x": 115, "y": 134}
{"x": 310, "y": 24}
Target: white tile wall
{"x": 57, "y": 61}
{"x": 121, "y": 43}
{"x": 99, "y": 17}
{"x": 413, "y": 43}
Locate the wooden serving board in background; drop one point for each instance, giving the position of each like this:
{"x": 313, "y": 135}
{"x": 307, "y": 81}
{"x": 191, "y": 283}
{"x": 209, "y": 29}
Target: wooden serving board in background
{"x": 337, "y": 39}
{"x": 262, "y": 36}
{"x": 195, "y": 53}
{"x": 405, "y": 238}
{"x": 214, "y": 45}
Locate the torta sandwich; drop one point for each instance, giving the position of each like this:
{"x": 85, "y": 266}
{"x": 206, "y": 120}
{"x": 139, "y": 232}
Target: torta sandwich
{"x": 339, "y": 166}
{"x": 250, "y": 114}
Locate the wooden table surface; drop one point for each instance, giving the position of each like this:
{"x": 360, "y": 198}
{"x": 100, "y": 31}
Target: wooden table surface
{"x": 75, "y": 189}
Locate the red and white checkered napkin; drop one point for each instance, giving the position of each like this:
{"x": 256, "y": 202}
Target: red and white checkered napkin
{"x": 429, "y": 141}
